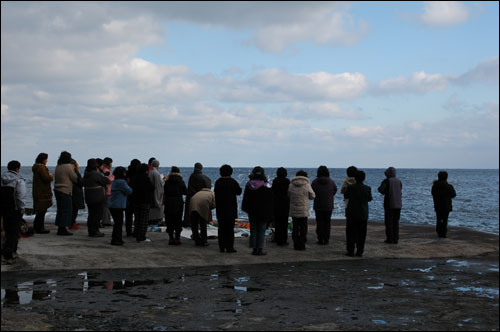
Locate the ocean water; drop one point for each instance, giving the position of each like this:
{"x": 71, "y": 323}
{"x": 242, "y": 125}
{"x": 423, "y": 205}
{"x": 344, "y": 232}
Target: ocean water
{"x": 476, "y": 205}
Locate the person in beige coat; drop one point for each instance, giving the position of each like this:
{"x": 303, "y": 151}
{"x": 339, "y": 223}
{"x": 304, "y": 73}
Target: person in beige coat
{"x": 64, "y": 178}
{"x": 200, "y": 207}
{"x": 300, "y": 193}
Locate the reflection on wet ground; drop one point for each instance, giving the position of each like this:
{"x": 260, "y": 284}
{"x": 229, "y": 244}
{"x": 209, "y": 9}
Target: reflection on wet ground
{"x": 291, "y": 295}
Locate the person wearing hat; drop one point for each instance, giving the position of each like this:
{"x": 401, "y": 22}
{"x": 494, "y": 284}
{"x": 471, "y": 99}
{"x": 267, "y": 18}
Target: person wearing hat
{"x": 174, "y": 189}
{"x": 258, "y": 204}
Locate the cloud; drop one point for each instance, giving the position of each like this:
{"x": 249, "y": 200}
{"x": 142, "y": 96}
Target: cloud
{"x": 418, "y": 82}
{"x": 273, "y": 85}
{"x": 486, "y": 71}
{"x": 444, "y": 13}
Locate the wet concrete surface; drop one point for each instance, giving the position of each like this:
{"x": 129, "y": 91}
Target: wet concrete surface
{"x": 380, "y": 294}
{"x": 285, "y": 290}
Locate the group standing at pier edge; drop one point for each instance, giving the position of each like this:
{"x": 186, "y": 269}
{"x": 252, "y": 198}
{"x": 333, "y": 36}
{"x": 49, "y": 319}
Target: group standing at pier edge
{"x": 140, "y": 196}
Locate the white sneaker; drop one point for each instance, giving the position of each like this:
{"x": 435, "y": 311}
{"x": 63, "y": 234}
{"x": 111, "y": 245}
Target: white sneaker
{"x": 147, "y": 240}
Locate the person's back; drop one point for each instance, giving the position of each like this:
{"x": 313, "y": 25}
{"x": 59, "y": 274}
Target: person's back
{"x": 442, "y": 193}
{"x": 280, "y": 196}
{"x": 359, "y": 195}
{"x": 226, "y": 189}
{"x": 257, "y": 201}
{"x": 300, "y": 192}
{"x": 325, "y": 190}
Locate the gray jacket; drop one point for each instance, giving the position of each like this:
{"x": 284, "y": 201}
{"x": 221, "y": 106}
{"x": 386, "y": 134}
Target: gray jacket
{"x": 15, "y": 180}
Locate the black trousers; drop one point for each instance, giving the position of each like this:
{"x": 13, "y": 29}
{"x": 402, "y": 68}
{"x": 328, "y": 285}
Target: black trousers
{"x": 117, "y": 215}
{"x": 442, "y": 223}
{"x": 12, "y": 227}
{"x": 391, "y": 219}
{"x": 299, "y": 233}
{"x": 95, "y": 217}
{"x": 323, "y": 225}
{"x": 199, "y": 236}
{"x": 226, "y": 234}
{"x": 281, "y": 229}
{"x": 129, "y": 214}
{"x": 39, "y": 222}
{"x": 356, "y": 235}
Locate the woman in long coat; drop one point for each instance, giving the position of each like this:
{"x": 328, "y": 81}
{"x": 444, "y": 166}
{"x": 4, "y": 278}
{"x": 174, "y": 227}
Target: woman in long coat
{"x": 42, "y": 192}
{"x": 77, "y": 197}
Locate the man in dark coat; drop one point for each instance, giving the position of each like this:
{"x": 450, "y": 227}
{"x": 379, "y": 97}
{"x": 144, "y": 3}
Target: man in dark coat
{"x": 281, "y": 205}
{"x": 358, "y": 195}
{"x": 442, "y": 193}
{"x": 391, "y": 188}
{"x": 226, "y": 189}
{"x": 197, "y": 181}
{"x": 174, "y": 189}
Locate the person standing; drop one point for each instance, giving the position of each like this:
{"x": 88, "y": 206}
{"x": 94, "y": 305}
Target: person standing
{"x": 358, "y": 195}
{"x": 258, "y": 204}
{"x": 77, "y": 195}
{"x": 42, "y": 192}
{"x": 107, "y": 163}
{"x": 442, "y": 194}
{"x": 351, "y": 172}
{"x": 142, "y": 194}
{"x": 95, "y": 184}
{"x": 300, "y": 192}
{"x": 174, "y": 189}
{"x": 156, "y": 210}
{"x": 129, "y": 211}
{"x": 325, "y": 189}
{"x": 64, "y": 178}
{"x": 226, "y": 189}
{"x": 202, "y": 204}
{"x": 281, "y": 204}
{"x": 120, "y": 190}
{"x": 13, "y": 194}
{"x": 391, "y": 188}
{"x": 197, "y": 181}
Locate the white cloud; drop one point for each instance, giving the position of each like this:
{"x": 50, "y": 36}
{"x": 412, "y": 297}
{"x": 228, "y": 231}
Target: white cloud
{"x": 486, "y": 71}
{"x": 444, "y": 13}
{"x": 418, "y": 82}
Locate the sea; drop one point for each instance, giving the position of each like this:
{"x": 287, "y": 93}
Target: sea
{"x": 476, "y": 205}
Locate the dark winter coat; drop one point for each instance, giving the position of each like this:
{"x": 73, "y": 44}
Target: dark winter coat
{"x": 42, "y": 189}
{"x": 358, "y": 195}
{"x": 391, "y": 188}
{"x": 77, "y": 196}
{"x": 94, "y": 183}
{"x": 258, "y": 202}
{"x": 442, "y": 193}
{"x": 280, "y": 196}
{"x": 142, "y": 190}
{"x": 174, "y": 189}
{"x": 324, "y": 188}
{"x": 226, "y": 189}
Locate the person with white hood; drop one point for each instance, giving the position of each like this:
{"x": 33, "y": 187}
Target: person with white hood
{"x": 300, "y": 193}
{"x": 12, "y": 208}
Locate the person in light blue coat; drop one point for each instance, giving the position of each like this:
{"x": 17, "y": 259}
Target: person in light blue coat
{"x": 118, "y": 203}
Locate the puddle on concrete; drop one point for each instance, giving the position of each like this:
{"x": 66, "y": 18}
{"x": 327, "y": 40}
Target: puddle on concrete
{"x": 24, "y": 293}
{"x": 380, "y": 286}
{"x": 243, "y": 288}
{"x": 379, "y": 321}
{"x": 490, "y": 293}
{"x": 427, "y": 270}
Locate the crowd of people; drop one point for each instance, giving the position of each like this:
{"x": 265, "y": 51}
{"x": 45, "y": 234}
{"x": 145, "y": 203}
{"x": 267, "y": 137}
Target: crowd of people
{"x": 139, "y": 196}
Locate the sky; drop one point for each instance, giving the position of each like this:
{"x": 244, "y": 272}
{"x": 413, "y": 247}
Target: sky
{"x": 294, "y": 84}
